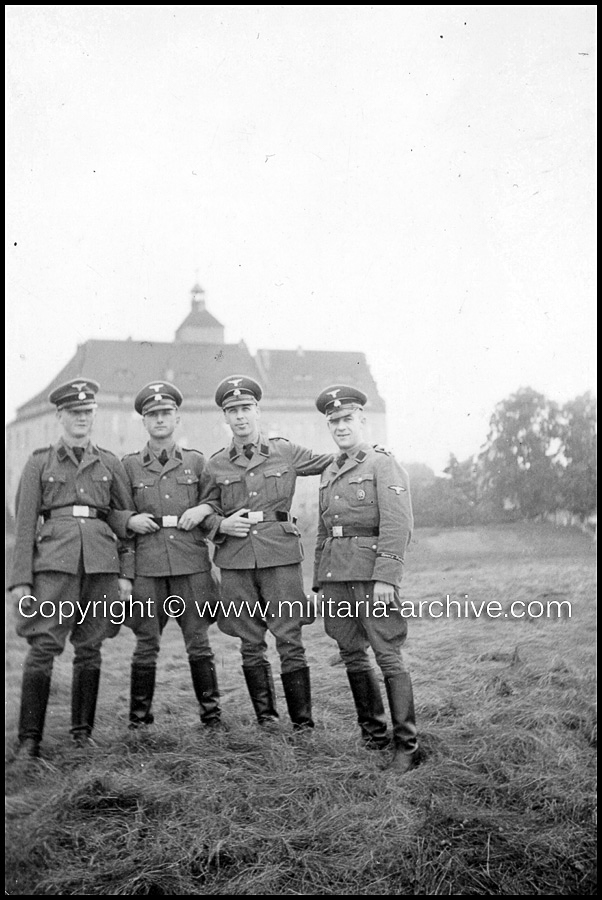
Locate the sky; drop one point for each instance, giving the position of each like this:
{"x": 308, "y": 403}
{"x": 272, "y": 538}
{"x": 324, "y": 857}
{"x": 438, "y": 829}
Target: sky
{"x": 416, "y": 183}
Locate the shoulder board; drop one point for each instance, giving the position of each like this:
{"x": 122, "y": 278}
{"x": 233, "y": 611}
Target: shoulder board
{"x": 216, "y": 452}
{"x": 108, "y": 452}
{"x": 42, "y": 450}
{"x": 193, "y": 450}
{"x": 276, "y": 438}
{"x": 127, "y": 455}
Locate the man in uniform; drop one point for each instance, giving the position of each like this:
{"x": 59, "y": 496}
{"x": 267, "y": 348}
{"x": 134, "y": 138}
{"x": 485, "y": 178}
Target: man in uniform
{"x": 365, "y": 525}
{"x": 65, "y": 573}
{"x": 258, "y": 549}
{"x": 173, "y": 568}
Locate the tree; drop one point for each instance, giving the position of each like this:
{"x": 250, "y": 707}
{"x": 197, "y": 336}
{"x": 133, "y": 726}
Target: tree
{"x": 517, "y": 466}
{"x": 578, "y": 451}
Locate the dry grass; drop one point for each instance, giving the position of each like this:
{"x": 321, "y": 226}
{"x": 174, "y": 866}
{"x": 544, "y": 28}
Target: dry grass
{"x": 503, "y": 803}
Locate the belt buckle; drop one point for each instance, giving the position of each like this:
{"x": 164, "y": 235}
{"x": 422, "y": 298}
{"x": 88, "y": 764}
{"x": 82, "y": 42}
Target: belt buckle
{"x": 169, "y": 521}
{"x": 81, "y": 511}
{"x": 337, "y": 531}
{"x": 255, "y": 517}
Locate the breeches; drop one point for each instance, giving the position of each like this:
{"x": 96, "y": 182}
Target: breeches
{"x": 189, "y": 599}
{"x": 257, "y": 600}
{"x": 74, "y": 606}
{"x": 355, "y": 623}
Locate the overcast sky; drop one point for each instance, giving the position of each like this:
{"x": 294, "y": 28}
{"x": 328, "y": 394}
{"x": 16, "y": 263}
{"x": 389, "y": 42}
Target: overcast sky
{"x": 413, "y": 182}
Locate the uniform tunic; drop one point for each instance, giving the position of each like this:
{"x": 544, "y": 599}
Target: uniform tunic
{"x": 365, "y": 525}
{"x": 171, "y": 561}
{"x": 265, "y": 566}
{"x": 70, "y": 558}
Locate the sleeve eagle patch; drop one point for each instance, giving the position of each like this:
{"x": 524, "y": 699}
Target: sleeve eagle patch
{"x": 398, "y": 488}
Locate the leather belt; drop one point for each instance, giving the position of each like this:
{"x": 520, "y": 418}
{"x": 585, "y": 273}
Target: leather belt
{"x": 79, "y": 512}
{"x": 339, "y": 531}
{"x": 255, "y": 516}
{"x": 166, "y": 521}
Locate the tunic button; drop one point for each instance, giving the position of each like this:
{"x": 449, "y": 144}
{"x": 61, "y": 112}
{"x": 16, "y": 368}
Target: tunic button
{"x": 104, "y": 478}
{"x": 227, "y": 481}
{"x": 51, "y": 478}
{"x": 254, "y": 532}
{"x": 167, "y": 496}
{"x": 336, "y": 516}
{"x": 81, "y": 490}
{"x": 329, "y": 574}
{"x": 374, "y": 546}
{"x": 336, "y": 496}
{"x": 251, "y": 474}
{"x": 171, "y": 537}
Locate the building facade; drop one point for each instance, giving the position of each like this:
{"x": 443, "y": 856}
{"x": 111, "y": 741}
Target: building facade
{"x": 196, "y": 361}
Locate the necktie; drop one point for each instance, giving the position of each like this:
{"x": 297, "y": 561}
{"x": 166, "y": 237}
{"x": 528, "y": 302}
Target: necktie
{"x": 248, "y": 450}
{"x": 163, "y": 457}
{"x": 341, "y": 460}
{"x": 79, "y": 452}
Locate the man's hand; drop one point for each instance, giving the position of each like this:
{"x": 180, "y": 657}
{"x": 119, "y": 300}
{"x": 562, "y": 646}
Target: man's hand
{"x": 194, "y": 516}
{"x": 235, "y": 525}
{"x": 142, "y": 523}
{"x": 384, "y": 593}
{"x": 23, "y": 590}
{"x": 125, "y": 589}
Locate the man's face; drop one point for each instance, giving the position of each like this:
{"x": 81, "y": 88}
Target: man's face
{"x": 243, "y": 421}
{"x": 348, "y": 431}
{"x": 161, "y": 423}
{"x": 76, "y": 423}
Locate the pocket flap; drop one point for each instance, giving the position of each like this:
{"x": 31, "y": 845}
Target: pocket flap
{"x": 290, "y": 528}
{"x": 54, "y": 478}
{"x": 228, "y": 479}
{"x": 187, "y": 479}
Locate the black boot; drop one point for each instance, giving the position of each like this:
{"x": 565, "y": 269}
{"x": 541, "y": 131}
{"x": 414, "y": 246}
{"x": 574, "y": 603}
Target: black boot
{"x": 204, "y": 681}
{"x": 297, "y": 690}
{"x": 84, "y": 693}
{"x": 261, "y": 689}
{"x": 35, "y": 691}
{"x": 401, "y": 703}
{"x": 370, "y": 710}
{"x": 142, "y": 689}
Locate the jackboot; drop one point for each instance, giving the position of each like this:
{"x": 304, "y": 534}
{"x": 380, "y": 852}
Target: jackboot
{"x": 84, "y": 693}
{"x": 297, "y": 691}
{"x": 401, "y": 704}
{"x": 370, "y": 710}
{"x": 142, "y": 689}
{"x": 204, "y": 681}
{"x": 35, "y": 691}
{"x": 260, "y": 685}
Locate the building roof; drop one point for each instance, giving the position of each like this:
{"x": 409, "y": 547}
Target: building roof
{"x": 301, "y": 374}
{"x": 199, "y": 318}
{"x": 123, "y": 367}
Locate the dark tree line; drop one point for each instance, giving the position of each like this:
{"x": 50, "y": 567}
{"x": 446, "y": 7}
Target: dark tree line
{"x": 539, "y": 457}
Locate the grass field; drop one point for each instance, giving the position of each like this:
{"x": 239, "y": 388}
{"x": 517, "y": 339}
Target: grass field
{"x": 504, "y": 802}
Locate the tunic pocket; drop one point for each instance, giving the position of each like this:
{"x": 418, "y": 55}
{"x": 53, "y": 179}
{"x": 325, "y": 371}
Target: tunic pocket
{"x": 276, "y": 483}
{"x": 53, "y": 488}
{"x": 191, "y": 482}
{"x": 232, "y": 493}
{"x": 102, "y": 487}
